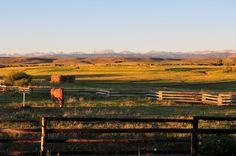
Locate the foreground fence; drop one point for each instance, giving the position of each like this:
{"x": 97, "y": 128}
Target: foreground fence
{"x": 192, "y": 143}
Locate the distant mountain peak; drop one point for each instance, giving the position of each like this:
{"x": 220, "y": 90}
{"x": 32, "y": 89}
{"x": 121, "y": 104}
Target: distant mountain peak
{"x": 130, "y": 54}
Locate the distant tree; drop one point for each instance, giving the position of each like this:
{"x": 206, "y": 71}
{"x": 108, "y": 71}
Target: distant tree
{"x": 17, "y": 79}
{"x": 220, "y": 62}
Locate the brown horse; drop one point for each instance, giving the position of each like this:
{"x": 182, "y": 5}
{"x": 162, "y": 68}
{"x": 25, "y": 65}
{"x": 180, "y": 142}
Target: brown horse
{"x": 59, "y": 94}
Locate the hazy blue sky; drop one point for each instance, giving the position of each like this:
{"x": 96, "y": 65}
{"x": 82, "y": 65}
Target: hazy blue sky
{"x": 136, "y": 25}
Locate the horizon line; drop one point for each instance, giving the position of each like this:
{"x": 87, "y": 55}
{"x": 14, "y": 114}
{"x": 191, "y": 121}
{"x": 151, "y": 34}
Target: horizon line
{"x": 114, "y": 51}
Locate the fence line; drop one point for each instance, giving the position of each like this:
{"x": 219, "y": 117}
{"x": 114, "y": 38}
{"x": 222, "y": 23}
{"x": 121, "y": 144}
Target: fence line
{"x": 195, "y": 131}
{"x": 192, "y": 97}
{"x": 220, "y": 99}
{"x": 178, "y": 96}
{"x": 118, "y": 130}
{"x": 9, "y": 131}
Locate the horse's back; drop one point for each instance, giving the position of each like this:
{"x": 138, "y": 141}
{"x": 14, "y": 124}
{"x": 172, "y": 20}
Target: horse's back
{"x": 59, "y": 92}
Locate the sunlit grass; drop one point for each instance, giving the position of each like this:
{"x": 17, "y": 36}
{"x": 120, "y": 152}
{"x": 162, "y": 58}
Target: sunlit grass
{"x": 125, "y": 72}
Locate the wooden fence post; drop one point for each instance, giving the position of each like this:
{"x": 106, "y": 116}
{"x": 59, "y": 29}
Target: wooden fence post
{"x": 108, "y": 93}
{"x": 160, "y": 95}
{"x": 219, "y": 100}
{"x": 194, "y": 137}
{"x": 23, "y": 101}
{"x": 203, "y": 98}
{"x": 139, "y": 150}
{"x": 43, "y": 149}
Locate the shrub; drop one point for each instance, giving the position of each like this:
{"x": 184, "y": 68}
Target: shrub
{"x": 2, "y": 66}
{"x": 17, "y": 79}
{"x": 22, "y": 82}
{"x": 219, "y": 62}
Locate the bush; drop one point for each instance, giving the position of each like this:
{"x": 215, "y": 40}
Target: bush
{"x": 17, "y": 79}
{"x": 220, "y": 62}
{"x": 2, "y": 66}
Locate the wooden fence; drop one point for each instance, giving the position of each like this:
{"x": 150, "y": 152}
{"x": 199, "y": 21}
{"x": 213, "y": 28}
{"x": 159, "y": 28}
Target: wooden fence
{"x": 45, "y": 131}
{"x": 191, "y": 97}
{"x": 220, "y": 99}
{"x": 10, "y": 131}
{"x": 14, "y": 88}
{"x": 100, "y": 92}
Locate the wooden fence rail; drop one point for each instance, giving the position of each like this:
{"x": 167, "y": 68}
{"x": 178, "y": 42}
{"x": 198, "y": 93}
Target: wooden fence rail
{"x": 191, "y": 97}
{"x": 119, "y": 130}
{"x": 220, "y": 99}
{"x": 194, "y": 131}
{"x": 100, "y": 92}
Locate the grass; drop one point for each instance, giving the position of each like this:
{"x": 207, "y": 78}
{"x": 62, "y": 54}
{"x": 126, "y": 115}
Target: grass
{"x": 120, "y": 77}
{"x": 111, "y": 107}
{"x": 189, "y": 69}
{"x": 138, "y": 77}
{"x": 80, "y": 105}
{"x": 122, "y": 72}
{"x": 134, "y": 76}
{"x": 128, "y": 77}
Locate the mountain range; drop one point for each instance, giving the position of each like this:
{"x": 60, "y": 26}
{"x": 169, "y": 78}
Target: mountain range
{"x": 128, "y": 54}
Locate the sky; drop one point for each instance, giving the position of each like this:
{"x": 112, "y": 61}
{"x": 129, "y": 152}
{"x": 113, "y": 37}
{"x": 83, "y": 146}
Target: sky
{"x": 134, "y": 25}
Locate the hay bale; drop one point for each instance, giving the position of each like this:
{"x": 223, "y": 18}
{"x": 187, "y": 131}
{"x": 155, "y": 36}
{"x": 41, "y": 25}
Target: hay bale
{"x": 62, "y": 78}
{"x": 55, "y": 78}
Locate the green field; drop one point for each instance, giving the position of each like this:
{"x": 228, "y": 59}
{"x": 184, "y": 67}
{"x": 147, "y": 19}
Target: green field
{"x": 118, "y": 77}
{"x": 129, "y": 77}
{"x": 140, "y": 77}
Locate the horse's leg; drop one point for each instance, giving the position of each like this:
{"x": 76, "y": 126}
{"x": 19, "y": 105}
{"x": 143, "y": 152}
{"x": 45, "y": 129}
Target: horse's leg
{"x": 53, "y": 98}
{"x": 62, "y": 97}
{"x": 61, "y": 102}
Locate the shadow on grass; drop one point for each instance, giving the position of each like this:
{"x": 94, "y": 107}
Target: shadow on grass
{"x": 139, "y": 84}
{"x": 153, "y": 85}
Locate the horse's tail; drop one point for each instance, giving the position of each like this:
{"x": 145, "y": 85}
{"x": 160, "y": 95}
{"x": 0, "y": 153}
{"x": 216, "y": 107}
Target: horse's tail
{"x": 52, "y": 94}
{"x": 63, "y": 94}
{"x": 62, "y": 98}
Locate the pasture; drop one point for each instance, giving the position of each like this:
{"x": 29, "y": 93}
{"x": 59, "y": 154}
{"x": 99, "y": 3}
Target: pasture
{"x": 133, "y": 76}
{"x": 148, "y": 77}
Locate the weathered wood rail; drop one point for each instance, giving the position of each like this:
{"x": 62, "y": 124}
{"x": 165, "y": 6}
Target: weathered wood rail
{"x": 14, "y": 88}
{"x": 220, "y": 99}
{"x": 45, "y": 131}
{"x": 100, "y": 92}
{"x": 217, "y": 98}
{"x": 191, "y": 97}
